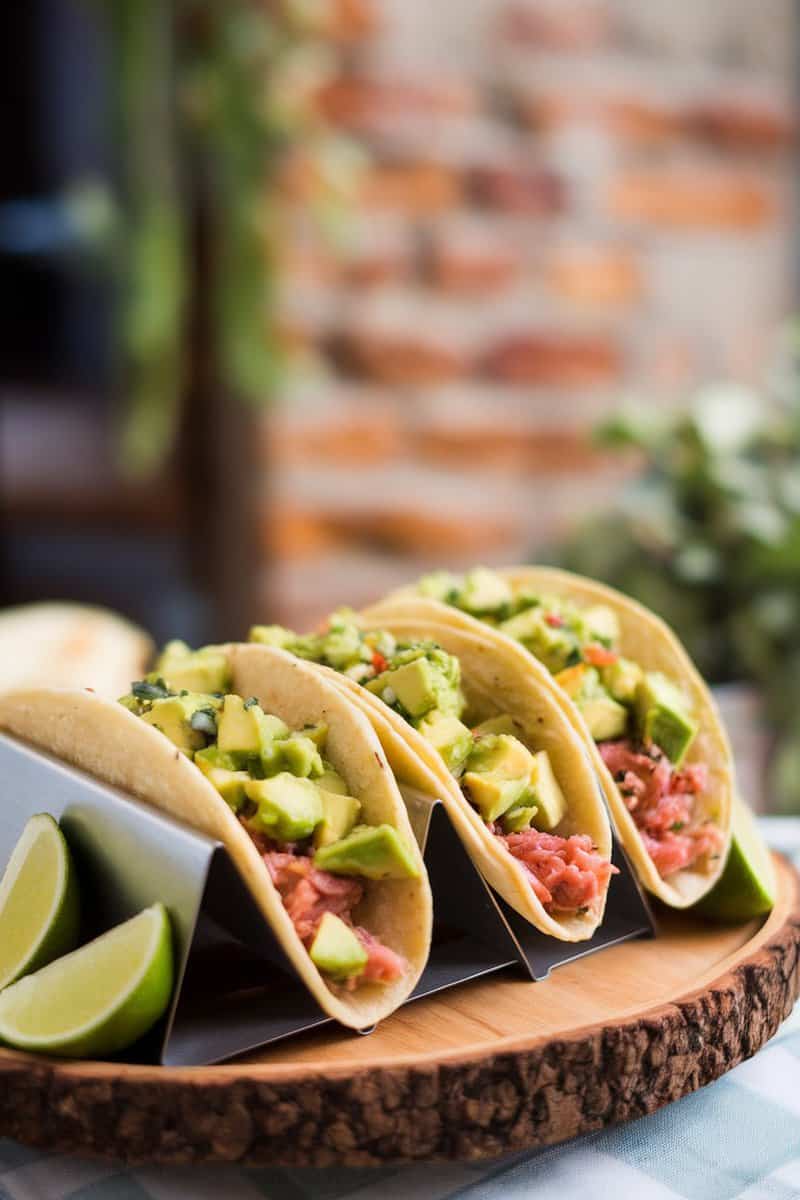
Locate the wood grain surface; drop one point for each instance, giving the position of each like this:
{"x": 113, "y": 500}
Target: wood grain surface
{"x": 485, "y": 1069}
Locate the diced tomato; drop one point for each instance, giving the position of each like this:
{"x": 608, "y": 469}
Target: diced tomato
{"x": 566, "y": 874}
{"x": 379, "y": 662}
{"x": 598, "y": 656}
{"x": 554, "y": 620}
{"x": 661, "y": 802}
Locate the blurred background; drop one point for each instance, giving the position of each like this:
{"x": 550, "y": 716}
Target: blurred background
{"x": 301, "y": 299}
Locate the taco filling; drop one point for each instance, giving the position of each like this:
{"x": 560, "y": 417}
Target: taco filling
{"x": 512, "y": 788}
{"x": 293, "y": 804}
{"x": 641, "y": 720}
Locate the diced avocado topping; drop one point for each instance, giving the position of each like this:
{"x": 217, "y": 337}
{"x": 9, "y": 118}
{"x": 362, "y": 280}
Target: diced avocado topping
{"x": 484, "y": 592}
{"x": 203, "y": 670}
{"x": 245, "y": 730}
{"x": 331, "y": 781}
{"x": 317, "y": 733}
{"x": 270, "y": 635}
{"x": 502, "y": 724}
{"x": 553, "y": 643}
{"x": 664, "y": 718}
{"x": 336, "y": 949}
{"x": 551, "y": 806}
{"x": 517, "y": 819}
{"x": 622, "y": 679}
{"x": 229, "y": 784}
{"x": 187, "y": 720}
{"x": 450, "y": 737}
{"x": 413, "y": 686}
{"x": 602, "y": 623}
{"x": 573, "y": 680}
{"x": 301, "y": 756}
{"x": 287, "y": 809}
{"x": 339, "y": 815}
{"x": 492, "y": 795}
{"x": 605, "y": 718}
{"x": 374, "y": 851}
{"x": 498, "y": 775}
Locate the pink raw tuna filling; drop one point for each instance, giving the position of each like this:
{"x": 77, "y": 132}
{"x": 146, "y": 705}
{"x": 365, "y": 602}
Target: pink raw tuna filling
{"x": 566, "y": 873}
{"x": 308, "y": 893}
{"x": 660, "y": 800}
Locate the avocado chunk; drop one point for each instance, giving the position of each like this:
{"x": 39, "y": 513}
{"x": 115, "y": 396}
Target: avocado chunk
{"x": 212, "y": 757}
{"x": 244, "y": 728}
{"x": 449, "y": 737}
{"x": 301, "y": 756}
{"x": 492, "y": 795}
{"x": 484, "y": 592}
{"x": 187, "y": 720}
{"x": 289, "y": 809}
{"x": 374, "y": 851}
{"x": 553, "y": 645}
{"x": 414, "y": 686}
{"x": 602, "y": 622}
{"x": 317, "y": 733}
{"x": 204, "y": 670}
{"x": 498, "y": 774}
{"x": 663, "y": 716}
{"x": 517, "y": 819}
{"x": 501, "y": 724}
{"x": 577, "y": 680}
{"x": 331, "y": 781}
{"x": 270, "y": 635}
{"x": 229, "y": 784}
{"x": 622, "y": 679}
{"x": 605, "y": 718}
{"x": 502, "y": 755}
{"x": 546, "y": 793}
{"x": 336, "y": 949}
{"x": 339, "y": 815}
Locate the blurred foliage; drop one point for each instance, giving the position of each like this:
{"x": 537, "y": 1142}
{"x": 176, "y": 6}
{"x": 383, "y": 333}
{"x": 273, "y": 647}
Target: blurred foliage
{"x": 213, "y": 100}
{"x": 708, "y": 535}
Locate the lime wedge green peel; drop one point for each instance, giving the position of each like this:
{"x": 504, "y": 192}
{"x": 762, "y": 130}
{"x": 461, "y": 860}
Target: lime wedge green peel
{"x": 747, "y": 885}
{"x": 39, "y": 909}
{"x": 98, "y": 999}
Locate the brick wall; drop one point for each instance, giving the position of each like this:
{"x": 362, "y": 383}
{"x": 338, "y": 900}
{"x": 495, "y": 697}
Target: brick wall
{"x": 560, "y": 201}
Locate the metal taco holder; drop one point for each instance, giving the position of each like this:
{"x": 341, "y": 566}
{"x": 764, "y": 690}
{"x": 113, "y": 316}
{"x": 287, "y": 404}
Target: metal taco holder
{"x": 235, "y": 988}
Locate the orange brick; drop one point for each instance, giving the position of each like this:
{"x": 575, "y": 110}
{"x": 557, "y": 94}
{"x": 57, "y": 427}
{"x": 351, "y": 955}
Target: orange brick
{"x": 565, "y": 27}
{"x": 740, "y": 126}
{"x": 555, "y": 359}
{"x": 355, "y": 438}
{"x": 468, "y": 268}
{"x": 696, "y": 200}
{"x": 290, "y": 533}
{"x": 399, "y": 359}
{"x": 414, "y": 188}
{"x": 420, "y": 531}
{"x": 594, "y": 276}
{"x": 639, "y": 121}
{"x": 359, "y": 102}
{"x": 532, "y": 193}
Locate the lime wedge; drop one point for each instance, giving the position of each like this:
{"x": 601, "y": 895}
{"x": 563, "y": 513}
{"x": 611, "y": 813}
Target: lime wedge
{"x": 747, "y": 885}
{"x": 39, "y": 910}
{"x": 98, "y": 999}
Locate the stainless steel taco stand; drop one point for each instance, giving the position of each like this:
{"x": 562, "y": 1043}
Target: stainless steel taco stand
{"x": 475, "y": 1070}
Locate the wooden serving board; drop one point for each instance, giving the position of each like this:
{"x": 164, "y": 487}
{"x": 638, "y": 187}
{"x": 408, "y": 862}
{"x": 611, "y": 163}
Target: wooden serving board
{"x": 482, "y": 1070}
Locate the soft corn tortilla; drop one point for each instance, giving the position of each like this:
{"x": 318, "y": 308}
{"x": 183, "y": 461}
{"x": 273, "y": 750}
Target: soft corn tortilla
{"x": 647, "y": 640}
{"x": 113, "y": 744}
{"x": 493, "y": 684}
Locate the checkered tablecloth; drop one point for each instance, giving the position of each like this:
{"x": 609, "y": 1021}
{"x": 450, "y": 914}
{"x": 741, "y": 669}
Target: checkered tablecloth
{"x": 738, "y": 1139}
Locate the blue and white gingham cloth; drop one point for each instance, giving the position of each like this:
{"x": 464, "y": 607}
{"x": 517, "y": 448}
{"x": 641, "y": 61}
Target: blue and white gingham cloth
{"x": 738, "y": 1139}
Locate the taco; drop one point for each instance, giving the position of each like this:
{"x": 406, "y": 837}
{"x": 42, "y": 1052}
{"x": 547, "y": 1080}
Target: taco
{"x": 256, "y": 749}
{"x": 485, "y": 735}
{"x": 630, "y": 688}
